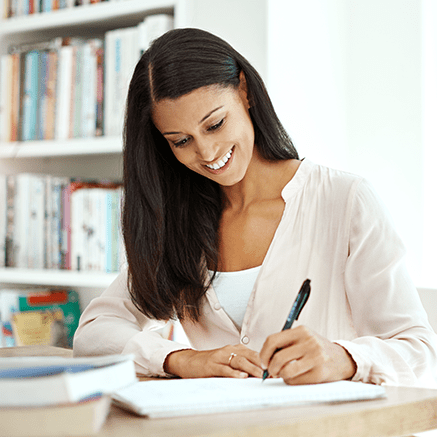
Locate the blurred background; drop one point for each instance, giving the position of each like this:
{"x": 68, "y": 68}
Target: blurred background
{"x": 353, "y": 81}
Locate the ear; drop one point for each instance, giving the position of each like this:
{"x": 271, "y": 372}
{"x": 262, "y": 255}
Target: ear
{"x": 242, "y": 89}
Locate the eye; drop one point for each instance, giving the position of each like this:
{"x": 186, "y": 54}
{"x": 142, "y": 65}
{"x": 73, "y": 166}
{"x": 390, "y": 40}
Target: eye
{"x": 217, "y": 125}
{"x": 181, "y": 143}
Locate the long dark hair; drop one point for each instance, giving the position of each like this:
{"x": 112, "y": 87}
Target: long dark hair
{"x": 171, "y": 214}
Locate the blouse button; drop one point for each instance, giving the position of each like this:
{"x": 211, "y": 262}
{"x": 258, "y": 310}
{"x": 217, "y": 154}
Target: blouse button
{"x": 245, "y": 340}
{"x": 217, "y": 306}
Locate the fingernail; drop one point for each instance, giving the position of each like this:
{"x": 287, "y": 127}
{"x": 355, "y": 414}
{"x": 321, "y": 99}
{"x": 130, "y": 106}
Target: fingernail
{"x": 263, "y": 366}
{"x": 243, "y": 375}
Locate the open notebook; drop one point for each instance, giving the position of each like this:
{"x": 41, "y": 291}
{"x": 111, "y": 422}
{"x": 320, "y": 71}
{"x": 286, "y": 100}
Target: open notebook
{"x": 181, "y": 397}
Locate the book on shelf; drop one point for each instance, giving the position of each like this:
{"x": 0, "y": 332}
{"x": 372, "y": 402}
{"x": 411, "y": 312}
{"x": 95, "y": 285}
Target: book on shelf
{"x": 61, "y": 223}
{"x": 3, "y": 219}
{"x": 45, "y": 381}
{"x": 18, "y": 8}
{"x": 72, "y": 87}
{"x": 74, "y": 419}
{"x": 123, "y": 49}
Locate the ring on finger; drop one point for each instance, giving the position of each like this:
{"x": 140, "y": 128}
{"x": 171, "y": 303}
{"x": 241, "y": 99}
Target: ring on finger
{"x": 230, "y": 358}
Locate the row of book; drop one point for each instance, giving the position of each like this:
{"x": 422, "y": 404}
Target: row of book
{"x": 18, "y": 8}
{"x": 72, "y": 87}
{"x": 60, "y": 223}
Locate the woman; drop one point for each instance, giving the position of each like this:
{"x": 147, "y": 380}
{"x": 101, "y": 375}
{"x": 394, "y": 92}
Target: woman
{"x": 222, "y": 223}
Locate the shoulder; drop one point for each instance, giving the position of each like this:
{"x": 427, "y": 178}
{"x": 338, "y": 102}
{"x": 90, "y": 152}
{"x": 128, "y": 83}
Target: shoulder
{"x": 326, "y": 182}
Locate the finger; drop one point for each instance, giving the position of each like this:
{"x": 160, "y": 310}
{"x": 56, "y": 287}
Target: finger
{"x": 228, "y": 372}
{"x": 242, "y": 363}
{"x": 284, "y": 356}
{"x": 277, "y": 341}
{"x": 296, "y": 373}
{"x": 249, "y": 354}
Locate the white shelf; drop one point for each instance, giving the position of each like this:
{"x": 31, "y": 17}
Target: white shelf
{"x": 63, "y": 278}
{"x": 81, "y": 16}
{"x": 79, "y": 146}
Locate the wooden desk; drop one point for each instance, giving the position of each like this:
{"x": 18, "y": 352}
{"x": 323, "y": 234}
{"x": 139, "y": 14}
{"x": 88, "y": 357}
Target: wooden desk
{"x": 405, "y": 411}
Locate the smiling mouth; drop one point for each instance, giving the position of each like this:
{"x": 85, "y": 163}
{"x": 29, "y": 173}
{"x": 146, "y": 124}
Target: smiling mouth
{"x": 222, "y": 162}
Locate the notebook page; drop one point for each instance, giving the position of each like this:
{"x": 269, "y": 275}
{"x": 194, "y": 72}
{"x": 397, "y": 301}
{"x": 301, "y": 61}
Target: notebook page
{"x": 180, "y": 397}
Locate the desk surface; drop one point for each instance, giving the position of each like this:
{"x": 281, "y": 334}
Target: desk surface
{"x": 405, "y": 411}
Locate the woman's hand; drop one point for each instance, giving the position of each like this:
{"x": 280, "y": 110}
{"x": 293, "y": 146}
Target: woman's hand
{"x": 305, "y": 357}
{"x": 230, "y": 361}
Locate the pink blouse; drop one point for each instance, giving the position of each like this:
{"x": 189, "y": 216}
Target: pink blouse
{"x": 335, "y": 232}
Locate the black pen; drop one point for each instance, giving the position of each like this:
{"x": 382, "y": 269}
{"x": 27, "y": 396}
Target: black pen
{"x": 298, "y": 304}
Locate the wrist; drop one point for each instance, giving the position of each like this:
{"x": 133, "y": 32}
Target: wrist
{"x": 174, "y": 361}
{"x": 350, "y": 366}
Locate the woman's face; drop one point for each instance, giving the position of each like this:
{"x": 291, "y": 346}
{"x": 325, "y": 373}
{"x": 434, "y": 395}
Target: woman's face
{"x": 209, "y": 131}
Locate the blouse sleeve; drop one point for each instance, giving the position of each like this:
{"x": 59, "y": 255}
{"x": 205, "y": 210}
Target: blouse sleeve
{"x": 111, "y": 324}
{"x": 395, "y": 344}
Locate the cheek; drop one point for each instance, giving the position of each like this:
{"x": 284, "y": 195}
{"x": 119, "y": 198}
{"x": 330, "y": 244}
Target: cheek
{"x": 183, "y": 155}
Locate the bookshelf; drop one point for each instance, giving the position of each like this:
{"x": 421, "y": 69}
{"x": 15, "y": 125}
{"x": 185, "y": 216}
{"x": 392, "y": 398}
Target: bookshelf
{"x": 100, "y": 157}
{"x": 95, "y": 157}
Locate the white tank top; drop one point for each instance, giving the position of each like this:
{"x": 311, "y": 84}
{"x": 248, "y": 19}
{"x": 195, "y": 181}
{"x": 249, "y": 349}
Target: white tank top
{"x": 233, "y": 290}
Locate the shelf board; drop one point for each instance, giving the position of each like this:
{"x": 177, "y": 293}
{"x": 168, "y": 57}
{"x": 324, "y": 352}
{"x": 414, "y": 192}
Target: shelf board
{"x": 129, "y": 11}
{"x": 63, "y": 278}
{"x": 80, "y": 146}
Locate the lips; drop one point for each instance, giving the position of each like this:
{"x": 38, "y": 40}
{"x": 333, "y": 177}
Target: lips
{"x": 221, "y": 162}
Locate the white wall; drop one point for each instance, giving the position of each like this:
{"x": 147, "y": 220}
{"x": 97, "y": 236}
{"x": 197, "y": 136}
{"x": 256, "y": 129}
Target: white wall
{"x": 346, "y": 77}
{"x": 242, "y": 23}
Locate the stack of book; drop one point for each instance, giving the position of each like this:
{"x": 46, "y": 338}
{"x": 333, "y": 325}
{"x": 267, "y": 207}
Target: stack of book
{"x": 60, "y": 223}
{"x": 55, "y": 396}
{"x": 72, "y": 87}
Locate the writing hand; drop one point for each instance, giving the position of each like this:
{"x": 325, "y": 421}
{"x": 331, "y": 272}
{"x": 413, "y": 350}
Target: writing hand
{"x": 191, "y": 363}
{"x": 305, "y": 357}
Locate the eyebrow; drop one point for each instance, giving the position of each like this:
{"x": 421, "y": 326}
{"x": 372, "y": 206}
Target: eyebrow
{"x": 201, "y": 121}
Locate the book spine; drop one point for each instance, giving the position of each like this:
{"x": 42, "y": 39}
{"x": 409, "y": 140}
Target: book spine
{"x": 36, "y": 222}
{"x": 63, "y": 92}
{"x": 77, "y": 213}
{"x": 15, "y": 97}
{"x": 21, "y": 231}
{"x": 3, "y": 218}
{"x": 66, "y": 227}
{"x": 52, "y": 69}
{"x": 100, "y": 92}
{"x": 109, "y": 81}
{"x": 5, "y": 97}
{"x": 76, "y": 120}
{"x": 42, "y": 95}
{"x": 48, "y": 217}
{"x": 10, "y": 258}
{"x": 89, "y": 89}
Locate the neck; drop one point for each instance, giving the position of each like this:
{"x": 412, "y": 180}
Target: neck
{"x": 264, "y": 180}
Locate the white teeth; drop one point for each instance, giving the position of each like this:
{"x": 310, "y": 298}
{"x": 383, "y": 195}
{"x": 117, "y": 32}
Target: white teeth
{"x": 219, "y": 164}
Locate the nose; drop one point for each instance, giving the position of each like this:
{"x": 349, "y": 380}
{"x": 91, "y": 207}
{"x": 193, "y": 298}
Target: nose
{"x": 207, "y": 149}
